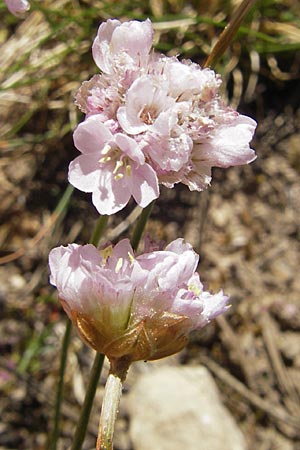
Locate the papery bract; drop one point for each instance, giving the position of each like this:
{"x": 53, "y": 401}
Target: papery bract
{"x": 133, "y": 308}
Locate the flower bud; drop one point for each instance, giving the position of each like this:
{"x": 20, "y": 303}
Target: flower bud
{"x": 17, "y": 7}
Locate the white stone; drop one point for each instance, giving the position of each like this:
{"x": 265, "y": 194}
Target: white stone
{"x": 178, "y": 408}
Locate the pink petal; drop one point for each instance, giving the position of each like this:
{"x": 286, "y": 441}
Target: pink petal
{"x": 229, "y": 145}
{"x": 111, "y": 195}
{"x": 144, "y": 185}
{"x": 91, "y": 135}
{"x": 130, "y": 147}
{"x": 84, "y": 173}
{"x": 100, "y": 48}
{"x": 145, "y": 101}
{"x": 134, "y": 37}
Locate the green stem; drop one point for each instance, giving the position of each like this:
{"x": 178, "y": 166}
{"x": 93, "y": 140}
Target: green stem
{"x": 98, "y": 230}
{"x": 58, "y": 401}
{"x": 228, "y": 33}
{"x": 60, "y": 211}
{"x": 64, "y": 201}
{"x": 88, "y": 402}
{"x": 140, "y": 226}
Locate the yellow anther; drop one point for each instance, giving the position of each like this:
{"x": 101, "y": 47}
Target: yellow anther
{"x": 195, "y": 289}
{"x": 119, "y": 176}
{"x": 106, "y": 253}
{"x": 131, "y": 257}
{"x": 105, "y": 159}
{"x": 128, "y": 170}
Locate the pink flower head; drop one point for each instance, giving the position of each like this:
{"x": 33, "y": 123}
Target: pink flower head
{"x": 168, "y": 114}
{"x": 17, "y": 7}
{"x": 112, "y": 167}
{"x": 137, "y": 308}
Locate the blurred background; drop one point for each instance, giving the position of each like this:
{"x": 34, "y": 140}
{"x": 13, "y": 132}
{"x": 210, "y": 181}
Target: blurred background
{"x": 246, "y": 226}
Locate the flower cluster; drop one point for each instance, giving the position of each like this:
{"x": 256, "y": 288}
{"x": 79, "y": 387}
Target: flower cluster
{"x": 150, "y": 120}
{"x": 134, "y": 307}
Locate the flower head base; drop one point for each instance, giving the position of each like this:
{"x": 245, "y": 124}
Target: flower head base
{"x": 169, "y": 113}
{"x": 138, "y": 308}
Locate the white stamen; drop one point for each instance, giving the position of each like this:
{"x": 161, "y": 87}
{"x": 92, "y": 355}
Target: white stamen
{"x": 106, "y": 149}
{"x": 119, "y": 265}
{"x": 131, "y": 257}
{"x": 118, "y": 165}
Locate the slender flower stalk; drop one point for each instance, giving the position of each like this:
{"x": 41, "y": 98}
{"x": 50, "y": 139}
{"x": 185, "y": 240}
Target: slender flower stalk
{"x": 62, "y": 368}
{"x": 109, "y": 411}
{"x": 83, "y": 421}
{"x": 229, "y": 33}
{"x": 140, "y": 226}
{"x": 110, "y": 404}
{"x": 99, "y": 229}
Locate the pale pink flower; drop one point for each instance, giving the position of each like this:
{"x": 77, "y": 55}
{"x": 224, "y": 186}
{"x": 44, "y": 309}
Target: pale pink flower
{"x": 125, "y": 45}
{"x": 137, "y": 308}
{"x": 227, "y": 146}
{"x": 171, "y": 109}
{"x": 187, "y": 80}
{"x": 152, "y": 114}
{"x": 112, "y": 167}
{"x": 173, "y": 285}
{"x": 145, "y": 100}
{"x": 17, "y": 7}
{"x": 94, "y": 285}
